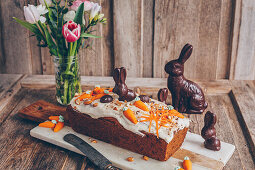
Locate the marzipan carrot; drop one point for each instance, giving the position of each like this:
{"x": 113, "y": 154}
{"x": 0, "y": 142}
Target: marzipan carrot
{"x": 87, "y": 102}
{"x": 86, "y": 95}
{"x": 54, "y": 118}
{"x": 141, "y": 105}
{"x": 58, "y": 126}
{"x": 98, "y": 96}
{"x": 98, "y": 90}
{"x": 47, "y": 124}
{"x": 176, "y": 113}
{"x": 187, "y": 164}
{"x": 178, "y": 168}
{"x": 129, "y": 114}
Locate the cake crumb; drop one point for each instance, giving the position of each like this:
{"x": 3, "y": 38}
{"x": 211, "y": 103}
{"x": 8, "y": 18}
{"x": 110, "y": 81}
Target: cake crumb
{"x": 146, "y": 158}
{"x": 130, "y": 159}
{"x": 93, "y": 141}
{"x": 95, "y": 104}
{"x": 115, "y": 108}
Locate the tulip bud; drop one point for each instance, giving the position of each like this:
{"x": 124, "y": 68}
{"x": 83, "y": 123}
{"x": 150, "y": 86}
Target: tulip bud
{"x": 71, "y": 31}
{"x": 31, "y": 14}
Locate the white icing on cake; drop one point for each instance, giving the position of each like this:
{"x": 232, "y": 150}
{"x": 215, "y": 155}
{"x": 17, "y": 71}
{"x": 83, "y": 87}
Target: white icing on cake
{"x": 107, "y": 110}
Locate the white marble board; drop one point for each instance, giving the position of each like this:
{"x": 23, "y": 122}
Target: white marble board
{"x": 117, "y": 156}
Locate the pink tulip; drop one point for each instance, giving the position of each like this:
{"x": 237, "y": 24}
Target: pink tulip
{"x": 71, "y": 31}
{"x": 87, "y": 5}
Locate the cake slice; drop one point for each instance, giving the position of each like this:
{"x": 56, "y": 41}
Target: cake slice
{"x": 148, "y": 127}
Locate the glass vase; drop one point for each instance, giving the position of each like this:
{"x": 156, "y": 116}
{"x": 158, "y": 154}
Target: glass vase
{"x": 68, "y": 79}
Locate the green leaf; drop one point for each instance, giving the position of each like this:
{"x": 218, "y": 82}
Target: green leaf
{"x": 65, "y": 11}
{"x": 79, "y": 14}
{"x": 52, "y": 46}
{"x": 33, "y": 28}
{"x": 85, "y": 35}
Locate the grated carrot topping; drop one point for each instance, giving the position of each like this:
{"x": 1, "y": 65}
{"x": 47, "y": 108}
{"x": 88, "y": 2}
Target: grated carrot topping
{"x": 160, "y": 116}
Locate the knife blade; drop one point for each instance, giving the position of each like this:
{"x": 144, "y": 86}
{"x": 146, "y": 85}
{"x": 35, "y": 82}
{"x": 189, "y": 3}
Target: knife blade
{"x": 93, "y": 155}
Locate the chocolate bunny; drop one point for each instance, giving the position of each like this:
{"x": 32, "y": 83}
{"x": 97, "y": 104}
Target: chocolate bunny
{"x": 120, "y": 88}
{"x": 187, "y": 96}
{"x": 209, "y": 133}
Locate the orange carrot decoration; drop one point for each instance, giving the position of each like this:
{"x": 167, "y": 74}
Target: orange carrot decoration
{"x": 178, "y": 168}
{"x": 98, "y": 90}
{"x": 58, "y": 126}
{"x": 86, "y": 95}
{"x": 141, "y": 105}
{"x": 54, "y": 118}
{"x": 48, "y": 124}
{"x": 129, "y": 114}
{"x": 98, "y": 96}
{"x": 176, "y": 113}
{"x": 187, "y": 164}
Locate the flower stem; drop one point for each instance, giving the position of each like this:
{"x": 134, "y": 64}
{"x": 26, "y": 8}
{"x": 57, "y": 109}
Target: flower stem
{"x": 65, "y": 92}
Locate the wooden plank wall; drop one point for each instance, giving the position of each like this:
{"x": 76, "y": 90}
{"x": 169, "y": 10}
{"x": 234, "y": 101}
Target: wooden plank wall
{"x": 143, "y": 35}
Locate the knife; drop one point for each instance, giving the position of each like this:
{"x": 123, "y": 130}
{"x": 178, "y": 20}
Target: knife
{"x": 93, "y": 155}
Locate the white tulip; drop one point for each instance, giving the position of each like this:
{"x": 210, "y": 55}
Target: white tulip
{"x": 94, "y": 10}
{"x": 31, "y": 14}
{"x": 42, "y": 9}
{"x": 69, "y": 16}
{"x": 47, "y": 1}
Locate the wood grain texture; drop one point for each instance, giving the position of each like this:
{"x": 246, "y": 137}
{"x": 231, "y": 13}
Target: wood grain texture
{"x": 151, "y": 85}
{"x": 194, "y": 22}
{"x": 224, "y": 129}
{"x": 26, "y": 152}
{"x": 148, "y": 36}
{"x": 243, "y": 95}
{"x": 18, "y": 150}
{"x": 143, "y": 35}
{"x": 128, "y": 42}
{"x": 98, "y": 58}
{"x": 41, "y": 110}
{"x": 237, "y": 15}
{"x": 9, "y": 86}
{"x": 225, "y": 34}
{"x": 176, "y": 23}
{"x": 2, "y": 59}
{"x": 17, "y": 56}
{"x": 245, "y": 59}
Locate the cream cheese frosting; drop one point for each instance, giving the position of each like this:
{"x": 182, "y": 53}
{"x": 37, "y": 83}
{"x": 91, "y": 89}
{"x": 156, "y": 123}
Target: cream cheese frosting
{"x": 115, "y": 109}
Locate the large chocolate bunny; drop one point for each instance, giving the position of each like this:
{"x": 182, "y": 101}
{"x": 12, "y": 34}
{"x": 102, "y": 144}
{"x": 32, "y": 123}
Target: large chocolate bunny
{"x": 120, "y": 88}
{"x": 187, "y": 96}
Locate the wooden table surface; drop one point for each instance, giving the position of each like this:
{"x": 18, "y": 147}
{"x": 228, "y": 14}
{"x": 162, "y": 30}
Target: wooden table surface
{"x": 232, "y": 101}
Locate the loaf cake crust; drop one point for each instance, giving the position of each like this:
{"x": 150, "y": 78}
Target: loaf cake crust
{"x": 109, "y": 129}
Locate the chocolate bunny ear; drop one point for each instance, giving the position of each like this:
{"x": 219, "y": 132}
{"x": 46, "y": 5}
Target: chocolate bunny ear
{"x": 119, "y": 75}
{"x": 116, "y": 75}
{"x": 123, "y": 75}
{"x": 210, "y": 119}
{"x": 185, "y": 53}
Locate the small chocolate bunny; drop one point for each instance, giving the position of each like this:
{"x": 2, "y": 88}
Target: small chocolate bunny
{"x": 187, "y": 96}
{"x": 120, "y": 88}
{"x": 162, "y": 95}
{"x": 209, "y": 133}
